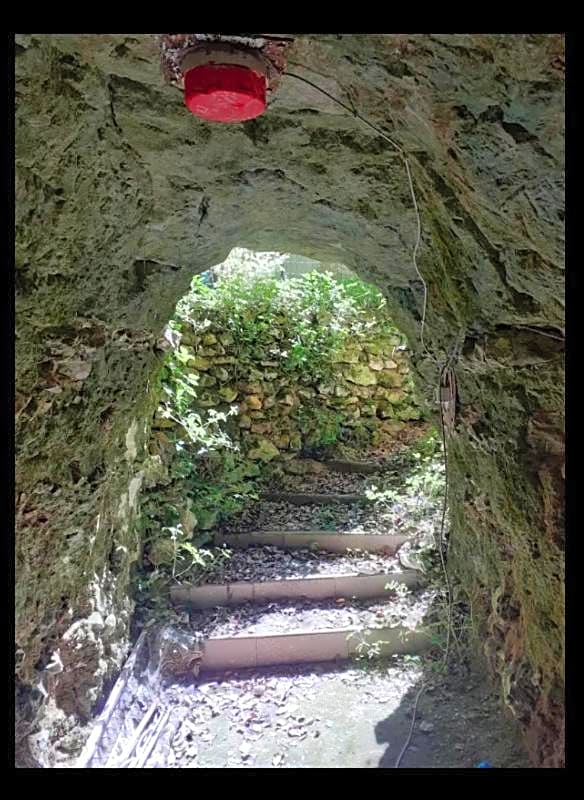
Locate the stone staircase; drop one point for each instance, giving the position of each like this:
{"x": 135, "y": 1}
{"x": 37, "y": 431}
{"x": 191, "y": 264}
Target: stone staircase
{"x": 281, "y": 623}
{"x": 287, "y": 600}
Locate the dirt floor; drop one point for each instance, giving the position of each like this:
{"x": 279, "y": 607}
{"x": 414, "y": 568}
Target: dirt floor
{"x": 327, "y": 716}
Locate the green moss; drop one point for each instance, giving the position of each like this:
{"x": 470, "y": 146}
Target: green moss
{"x": 498, "y": 539}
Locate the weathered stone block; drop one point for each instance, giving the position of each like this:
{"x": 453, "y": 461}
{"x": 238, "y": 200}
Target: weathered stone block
{"x": 252, "y": 387}
{"x": 263, "y": 451}
{"x": 346, "y": 357}
{"x": 199, "y": 362}
{"x": 208, "y": 400}
{"x": 261, "y": 427}
{"x": 361, "y": 375}
{"x": 396, "y": 396}
{"x": 390, "y": 378}
{"x": 228, "y": 394}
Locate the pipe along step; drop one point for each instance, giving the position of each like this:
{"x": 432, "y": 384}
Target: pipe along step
{"x": 316, "y": 587}
{"x": 307, "y": 499}
{"x": 296, "y": 647}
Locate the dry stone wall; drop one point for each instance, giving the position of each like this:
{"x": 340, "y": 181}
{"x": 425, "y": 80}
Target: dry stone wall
{"x": 281, "y": 411}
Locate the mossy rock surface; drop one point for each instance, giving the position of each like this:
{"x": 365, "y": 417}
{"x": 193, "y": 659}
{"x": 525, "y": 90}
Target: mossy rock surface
{"x": 263, "y": 451}
{"x": 113, "y": 217}
{"x": 360, "y": 374}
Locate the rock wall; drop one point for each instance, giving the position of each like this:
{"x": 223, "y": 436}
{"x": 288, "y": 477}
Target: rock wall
{"x": 283, "y": 411}
{"x": 122, "y": 195}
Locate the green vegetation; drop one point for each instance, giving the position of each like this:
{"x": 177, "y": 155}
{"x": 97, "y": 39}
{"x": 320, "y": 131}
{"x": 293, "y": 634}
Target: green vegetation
{"x": 319, "y": 315}
{"x": 421, "y": 474}
{"x": 259, "y": 370}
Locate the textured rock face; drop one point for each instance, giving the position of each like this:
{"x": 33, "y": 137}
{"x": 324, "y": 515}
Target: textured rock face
{"x": 122, "y": 195}
{"x": 285, "y": 409}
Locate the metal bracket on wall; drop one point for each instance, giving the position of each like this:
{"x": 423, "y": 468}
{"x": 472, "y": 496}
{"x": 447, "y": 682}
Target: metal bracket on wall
{"x": 448, "y": 399}
{"x": 271, "y": 49}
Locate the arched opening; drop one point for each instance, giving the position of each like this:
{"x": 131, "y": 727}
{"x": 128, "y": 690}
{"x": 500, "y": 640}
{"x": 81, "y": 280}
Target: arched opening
{"x": 277, "y": 365}
{"x": 292, "y": 502}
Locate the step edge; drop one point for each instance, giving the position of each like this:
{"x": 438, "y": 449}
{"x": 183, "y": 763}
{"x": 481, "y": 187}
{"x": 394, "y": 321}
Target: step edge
{"x": 316, "y": 632}
{"x": 314, "y": 532}
{"x": 291, "y": 634}
{"x": 327, "y": 541}
{"x": 306, "y": 578}
{"x": 304, "y": 647}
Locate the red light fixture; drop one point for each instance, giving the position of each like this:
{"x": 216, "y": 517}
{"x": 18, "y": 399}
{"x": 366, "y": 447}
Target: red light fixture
{"x": 224, "y": 78}
{"x": 225, "y": 92}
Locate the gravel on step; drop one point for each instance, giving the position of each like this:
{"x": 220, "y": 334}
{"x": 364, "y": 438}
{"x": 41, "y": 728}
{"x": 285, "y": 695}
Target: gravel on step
{"x": 268, "y": 563}
{"x": 403, "y": 517}
{"x": 331, "y": 483}
{"x": 307, "y": 615}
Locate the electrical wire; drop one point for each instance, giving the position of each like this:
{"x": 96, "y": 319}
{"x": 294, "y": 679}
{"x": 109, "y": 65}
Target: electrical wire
{"x": 409, "y": 737}
{"x": 401, "y": 152}
{"x": 440, "y": 542}
{"x": 440, "y": 538}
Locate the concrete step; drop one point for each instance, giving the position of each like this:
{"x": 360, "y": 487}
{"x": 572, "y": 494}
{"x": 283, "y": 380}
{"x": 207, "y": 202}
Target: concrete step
{"x": 305, "y": 498}
{"x": 315, "y": 587}
{"x": 331, "y": 542}
{"x": 295, "y": 647}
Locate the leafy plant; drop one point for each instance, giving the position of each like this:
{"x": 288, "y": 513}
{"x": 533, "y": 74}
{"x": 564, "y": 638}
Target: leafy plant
{"x": 297, "y": 327}
{"x": 327, "y": 519}
{"x": 324, "y": 425}
{"x": 400, "y": 590}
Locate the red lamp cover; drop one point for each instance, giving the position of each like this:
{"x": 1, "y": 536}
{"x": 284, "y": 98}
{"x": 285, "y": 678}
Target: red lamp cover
{"x": 225, "y": 92}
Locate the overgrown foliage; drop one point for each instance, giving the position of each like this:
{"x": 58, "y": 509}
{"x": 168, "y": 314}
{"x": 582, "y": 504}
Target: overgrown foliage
{"x": 233, "y": 343}
{"x": 320, "y": 314}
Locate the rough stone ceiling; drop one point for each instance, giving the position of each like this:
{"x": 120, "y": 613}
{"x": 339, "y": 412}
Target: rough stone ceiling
{"x": 479, "y": 117}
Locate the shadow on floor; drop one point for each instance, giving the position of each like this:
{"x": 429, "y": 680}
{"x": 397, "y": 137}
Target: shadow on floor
{"x": 459, "y": 722}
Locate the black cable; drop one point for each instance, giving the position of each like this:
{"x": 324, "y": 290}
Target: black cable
{"x": 540, "y": 333}
{"x": 352, "y": 110}
{"x": 447, "y": 366}
{"x": 409, "y": 737}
